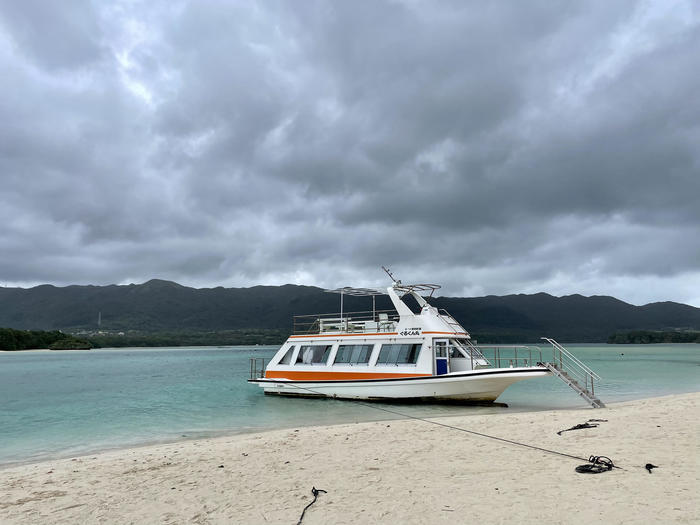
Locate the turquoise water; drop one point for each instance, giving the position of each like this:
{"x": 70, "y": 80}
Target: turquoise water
{"x": 60, "y": 404}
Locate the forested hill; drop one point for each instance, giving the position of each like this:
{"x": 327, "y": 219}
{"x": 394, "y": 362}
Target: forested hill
{"x": 166, "y": 306}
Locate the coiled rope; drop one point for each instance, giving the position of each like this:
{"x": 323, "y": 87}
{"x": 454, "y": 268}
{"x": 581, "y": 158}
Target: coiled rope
{"x": 596, "y": 465}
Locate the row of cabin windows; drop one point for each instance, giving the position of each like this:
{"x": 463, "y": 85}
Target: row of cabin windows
{"x": 390, "y": 354}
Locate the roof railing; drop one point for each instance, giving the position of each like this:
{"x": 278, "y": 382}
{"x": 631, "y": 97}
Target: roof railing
{"x": 454, "y": 324}
{"x": 376, "y": 321}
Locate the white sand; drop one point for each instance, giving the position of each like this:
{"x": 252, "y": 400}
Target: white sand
{"x": 391, "y": 472}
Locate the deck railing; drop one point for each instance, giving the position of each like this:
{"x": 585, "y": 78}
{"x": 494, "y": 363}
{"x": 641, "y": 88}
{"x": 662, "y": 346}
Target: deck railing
{"x": 504, "y": 356}
{"x": 257, "y": 367}
{"x": 377, "y": 321}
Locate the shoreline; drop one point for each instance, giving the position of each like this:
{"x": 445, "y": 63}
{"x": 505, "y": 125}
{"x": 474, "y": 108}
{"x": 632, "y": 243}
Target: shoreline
{"x": 230, "y": 433}
{"x": 403, "y": 470}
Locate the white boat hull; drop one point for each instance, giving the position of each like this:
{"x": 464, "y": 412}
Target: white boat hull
{"x": 471, "y": 386}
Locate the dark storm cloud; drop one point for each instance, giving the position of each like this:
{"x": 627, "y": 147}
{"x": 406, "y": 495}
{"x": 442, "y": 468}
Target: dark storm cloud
{"x": 495, "y": 148}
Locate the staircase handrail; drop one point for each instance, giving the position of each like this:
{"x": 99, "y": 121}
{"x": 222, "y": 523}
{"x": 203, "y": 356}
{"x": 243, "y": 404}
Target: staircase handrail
{"x": 569, "y": 365}
{"x": 571, "y": 357}
{"x": 583, "y": 391}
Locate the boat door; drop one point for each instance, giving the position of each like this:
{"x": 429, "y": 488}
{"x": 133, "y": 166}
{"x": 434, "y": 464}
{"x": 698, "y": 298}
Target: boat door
{"x": 440, "y": 346}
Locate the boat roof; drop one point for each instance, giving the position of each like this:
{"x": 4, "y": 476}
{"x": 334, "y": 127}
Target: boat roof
{"x": 424, "y": 287}
{"x": 398, "y": 286}
{"x": 360, "y": 292}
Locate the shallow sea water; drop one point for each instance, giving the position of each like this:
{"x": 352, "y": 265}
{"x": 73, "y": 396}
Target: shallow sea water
{"x": 63, "y": 404}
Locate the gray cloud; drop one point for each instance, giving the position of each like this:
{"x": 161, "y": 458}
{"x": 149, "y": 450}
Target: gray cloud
{"x": 55, "y": 37}
{"x": 496, "y": 149}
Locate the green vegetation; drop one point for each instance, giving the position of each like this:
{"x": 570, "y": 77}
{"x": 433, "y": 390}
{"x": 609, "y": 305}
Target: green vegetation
{"x": 70, "y": 343}
{"x": 160, "y": 339}
{"x": 33, "y": 339}
{"x": 11, "y": 339}
{"x": 164, "y": 313}
{"x": 648, "y": 337}
{"x": 28, "y": 339}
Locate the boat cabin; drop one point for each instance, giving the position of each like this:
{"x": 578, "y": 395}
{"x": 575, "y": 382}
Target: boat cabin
{"x": 393, "y": 343}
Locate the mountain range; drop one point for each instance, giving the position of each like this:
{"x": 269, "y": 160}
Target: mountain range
{"x": 158, "y": 306}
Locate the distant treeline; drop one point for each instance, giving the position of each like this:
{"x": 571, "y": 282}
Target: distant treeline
{"x": 160, "y": 339}
{"x": 32, "y": 339}
{"x": 11, "y": 339}
{"x": 648, "y": 337}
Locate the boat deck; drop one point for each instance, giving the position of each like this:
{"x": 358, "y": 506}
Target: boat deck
{"x": 379, "y": 321}
{"x": 368, "y": 322}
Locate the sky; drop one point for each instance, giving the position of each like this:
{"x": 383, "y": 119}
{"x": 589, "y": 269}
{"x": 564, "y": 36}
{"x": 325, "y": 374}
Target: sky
{"x": 490, "y": 147}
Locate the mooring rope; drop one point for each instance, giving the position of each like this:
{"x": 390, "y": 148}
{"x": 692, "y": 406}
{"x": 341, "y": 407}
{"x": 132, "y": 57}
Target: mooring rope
{"x": 595, "y": 465}
{"x": 460, "y": 429}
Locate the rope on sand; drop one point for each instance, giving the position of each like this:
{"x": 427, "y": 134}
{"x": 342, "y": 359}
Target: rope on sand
{"x": 315, "y": 492}
{"x": 409, "y": 416}
{"x": 596, "y": 465}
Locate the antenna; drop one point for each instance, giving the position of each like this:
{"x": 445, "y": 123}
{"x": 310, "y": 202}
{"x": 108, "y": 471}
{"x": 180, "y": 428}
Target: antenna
{"x": 388, "y": 272}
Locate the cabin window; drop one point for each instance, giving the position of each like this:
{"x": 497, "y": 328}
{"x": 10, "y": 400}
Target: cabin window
{"x": 456, "y": 352}
{"x": 399, "y": 354}
{"x": 440, "y": 349}
{"x": 353, "y": 354}
{"x": 465, "y": 348}
{"x": 287, "y": 357}
{"x": 314, "y": 354}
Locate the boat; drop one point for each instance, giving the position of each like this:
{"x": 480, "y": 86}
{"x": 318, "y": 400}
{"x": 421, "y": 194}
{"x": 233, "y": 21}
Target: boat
{"x": 418, "y": 353}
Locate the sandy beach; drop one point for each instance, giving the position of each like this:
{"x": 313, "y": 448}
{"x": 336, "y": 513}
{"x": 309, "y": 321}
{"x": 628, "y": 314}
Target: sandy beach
{"x": 406, "y": 471}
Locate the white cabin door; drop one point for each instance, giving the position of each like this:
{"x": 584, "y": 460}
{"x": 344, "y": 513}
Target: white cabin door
{"x": 440, "y": 348}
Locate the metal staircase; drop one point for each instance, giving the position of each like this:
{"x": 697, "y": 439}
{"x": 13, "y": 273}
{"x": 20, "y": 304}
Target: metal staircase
{"x": 574, "y": 373}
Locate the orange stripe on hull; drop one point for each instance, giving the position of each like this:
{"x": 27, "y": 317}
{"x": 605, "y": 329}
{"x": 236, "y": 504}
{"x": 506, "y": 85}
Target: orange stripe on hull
{"x": 324, "y": 376}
